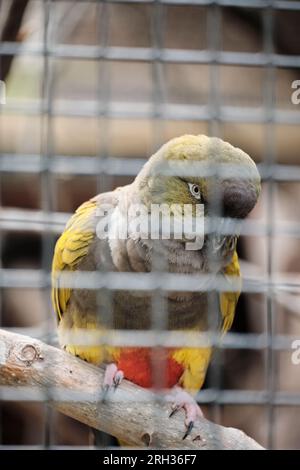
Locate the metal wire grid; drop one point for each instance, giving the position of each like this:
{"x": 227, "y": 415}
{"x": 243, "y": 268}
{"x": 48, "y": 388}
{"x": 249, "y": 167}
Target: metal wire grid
{"x": 48, "y": 164}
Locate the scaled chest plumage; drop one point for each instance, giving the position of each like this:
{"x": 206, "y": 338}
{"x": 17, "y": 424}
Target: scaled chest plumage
{"x": 132, "y": 309}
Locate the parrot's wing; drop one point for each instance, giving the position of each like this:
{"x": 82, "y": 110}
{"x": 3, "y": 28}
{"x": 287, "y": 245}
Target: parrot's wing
{"x": 228, "y": 300}
{"x": 72, "y": 246}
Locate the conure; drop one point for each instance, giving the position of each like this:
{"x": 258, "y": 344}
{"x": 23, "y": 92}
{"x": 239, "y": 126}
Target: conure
{"x": 203, "y": 170}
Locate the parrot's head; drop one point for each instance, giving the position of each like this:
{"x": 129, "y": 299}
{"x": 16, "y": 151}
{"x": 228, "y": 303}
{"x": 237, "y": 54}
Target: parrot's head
{"x": 202, "y": 170}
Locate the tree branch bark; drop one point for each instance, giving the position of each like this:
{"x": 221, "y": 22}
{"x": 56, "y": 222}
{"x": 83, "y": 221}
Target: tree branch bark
{"x": 131, "y": 413}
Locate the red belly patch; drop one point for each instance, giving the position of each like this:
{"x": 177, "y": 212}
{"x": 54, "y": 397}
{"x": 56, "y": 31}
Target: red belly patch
{"x": 138, "y": 365}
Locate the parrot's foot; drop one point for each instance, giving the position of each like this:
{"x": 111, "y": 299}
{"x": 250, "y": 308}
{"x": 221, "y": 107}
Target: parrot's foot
{"x": 112, "y": 379}
{"x": 183, "y": 400}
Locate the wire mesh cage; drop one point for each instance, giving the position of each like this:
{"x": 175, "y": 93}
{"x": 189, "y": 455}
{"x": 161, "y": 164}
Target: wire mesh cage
{"x": 92, "y": 89}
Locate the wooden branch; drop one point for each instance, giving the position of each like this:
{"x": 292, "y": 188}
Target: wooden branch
{"x": 131, "y": 413}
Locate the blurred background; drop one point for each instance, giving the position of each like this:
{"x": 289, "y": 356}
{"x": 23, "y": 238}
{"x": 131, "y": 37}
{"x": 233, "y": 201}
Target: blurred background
{"x": 92, "y": 89}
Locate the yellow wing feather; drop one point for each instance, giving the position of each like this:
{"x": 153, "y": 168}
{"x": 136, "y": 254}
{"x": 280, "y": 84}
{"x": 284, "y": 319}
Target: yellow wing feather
{"x": 70, "y": 248}
{"x": 228, "y": 300}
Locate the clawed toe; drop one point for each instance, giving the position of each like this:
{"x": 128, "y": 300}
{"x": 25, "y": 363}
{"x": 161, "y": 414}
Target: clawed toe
{"x": 112, "y": 379}
{"x": 183, "y": 400}
{"x": 119, "y": 376}
{"x": 188, "y": 430}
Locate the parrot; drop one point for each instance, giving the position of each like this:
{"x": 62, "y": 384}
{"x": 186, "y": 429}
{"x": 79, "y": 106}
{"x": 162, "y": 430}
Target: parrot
{"x": 202, "y": 169}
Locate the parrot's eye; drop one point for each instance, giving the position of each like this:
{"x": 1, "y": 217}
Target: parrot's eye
{"x": 194, "y": 190}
